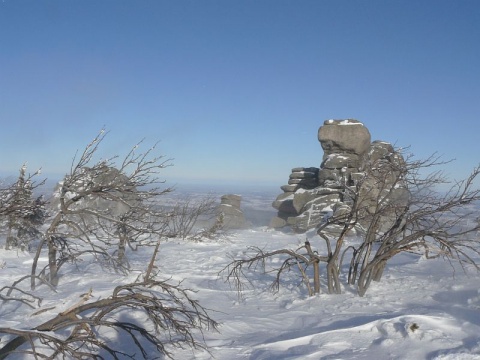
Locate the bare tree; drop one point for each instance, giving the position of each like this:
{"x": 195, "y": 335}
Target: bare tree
{"x": 292, "y": 259}
{"x": 150, "y": 315}
{"x": 392, "y": 208}
{"x": 428, "y": 222}
{"x": 99, "y": 209}
{"x": 195, "y": 219}
{"x": 102, "y": 205}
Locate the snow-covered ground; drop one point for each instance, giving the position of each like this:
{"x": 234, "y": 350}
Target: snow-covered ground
{"x": 422, "y": 309}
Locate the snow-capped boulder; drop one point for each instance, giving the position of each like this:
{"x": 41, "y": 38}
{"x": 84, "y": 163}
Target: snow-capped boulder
{"x": 344, "y": 136}
{"x": 313, "y": 212}
{"x": 303, "y": 197}
{"x": 379, "y": 149}
{"x": 340, "y": 160}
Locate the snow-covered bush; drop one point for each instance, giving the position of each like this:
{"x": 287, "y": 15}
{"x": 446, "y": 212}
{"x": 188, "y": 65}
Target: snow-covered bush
{"x": 21, "y": 214}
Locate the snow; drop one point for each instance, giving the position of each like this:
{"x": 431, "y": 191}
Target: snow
{"x": 346, "y": 122}
{"x": 418, "y": 311}
{"x": 338, "y": 156}
{"x": 343, "y": 122}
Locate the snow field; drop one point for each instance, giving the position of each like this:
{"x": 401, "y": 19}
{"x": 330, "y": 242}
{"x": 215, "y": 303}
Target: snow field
{"x": 418, "y": 311}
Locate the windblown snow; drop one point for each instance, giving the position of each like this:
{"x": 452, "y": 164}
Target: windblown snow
{"x": 418, "y": 311}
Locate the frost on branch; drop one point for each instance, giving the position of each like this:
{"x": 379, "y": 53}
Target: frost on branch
{"x": 102, "y": 208}
{"x": 152, "y": 317}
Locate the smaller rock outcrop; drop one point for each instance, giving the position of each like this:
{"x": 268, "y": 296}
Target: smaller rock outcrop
{"x": 229, "y": 209}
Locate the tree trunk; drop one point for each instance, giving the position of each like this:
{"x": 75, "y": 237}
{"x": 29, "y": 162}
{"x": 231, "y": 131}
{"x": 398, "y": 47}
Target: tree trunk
{"x": 52, "y": 252}
{"x": 378, "y": 271}
{"x": 35, "y": 262}
{"x": 333, "y": 278}
{"x": 316, "y": 268}
{"x": 316, "y": 277}
{"x": 365, "y": 279}
{"x": 52, "y": 261}
{"x": 11, "y": 346}
{"x": 373, "y": 271}
{"x": 363, "y": 283}
{"x": 122, "y": 243}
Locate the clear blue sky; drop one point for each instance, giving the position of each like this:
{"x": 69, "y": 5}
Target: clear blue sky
{"x": 236, "y": 90}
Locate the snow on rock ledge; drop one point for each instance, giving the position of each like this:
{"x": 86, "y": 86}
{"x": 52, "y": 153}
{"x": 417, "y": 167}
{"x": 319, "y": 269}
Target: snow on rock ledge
{"x": 311, "y": 190}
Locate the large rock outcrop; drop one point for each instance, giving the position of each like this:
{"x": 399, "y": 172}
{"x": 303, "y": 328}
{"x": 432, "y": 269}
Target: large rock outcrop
{"x": 312, "y": 193}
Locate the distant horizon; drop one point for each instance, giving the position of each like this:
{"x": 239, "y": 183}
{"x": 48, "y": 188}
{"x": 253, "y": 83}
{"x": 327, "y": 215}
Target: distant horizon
{"x": 179, "y": 185}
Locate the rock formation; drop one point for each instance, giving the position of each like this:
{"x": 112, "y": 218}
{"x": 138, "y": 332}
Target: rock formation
{"x": 312, "y": 193}
{"x": 300, "y": 178}
{"x": 345, "y": 144}
{"x": 229, "y": 209}
{"x": 100, "y": 176}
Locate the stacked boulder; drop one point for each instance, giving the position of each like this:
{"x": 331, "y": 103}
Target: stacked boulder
{"x": 347, "y": 150}
{"x": 300, "y": 178}
{"x": 229, "y": 209}
{"x": 345, "y": 144}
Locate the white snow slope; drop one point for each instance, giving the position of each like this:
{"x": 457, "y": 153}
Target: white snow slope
{"x": 422, "y": 309}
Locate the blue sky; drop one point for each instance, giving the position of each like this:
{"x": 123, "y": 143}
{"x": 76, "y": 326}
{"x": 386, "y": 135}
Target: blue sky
{"x": 235, "y": 91}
